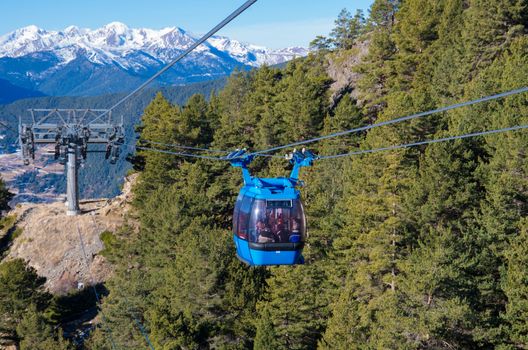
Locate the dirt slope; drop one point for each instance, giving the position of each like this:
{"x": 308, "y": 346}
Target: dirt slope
{"x": 50, "y": 239}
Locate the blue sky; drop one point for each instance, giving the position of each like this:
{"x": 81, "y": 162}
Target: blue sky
{"x": 272, "y": 23}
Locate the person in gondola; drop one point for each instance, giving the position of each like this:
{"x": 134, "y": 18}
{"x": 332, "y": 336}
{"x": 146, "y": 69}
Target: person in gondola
{"x": 283, "y": 234}
{"x": 264, "y": 234}
{"x": 295, "y": 235}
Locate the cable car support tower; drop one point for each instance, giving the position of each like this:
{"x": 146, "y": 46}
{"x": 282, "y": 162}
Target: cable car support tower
{"x": 71, "y": 131}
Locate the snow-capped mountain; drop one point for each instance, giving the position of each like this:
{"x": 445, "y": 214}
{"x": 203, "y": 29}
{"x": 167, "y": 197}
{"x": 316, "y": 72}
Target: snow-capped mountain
{"x": 113, "y": 58}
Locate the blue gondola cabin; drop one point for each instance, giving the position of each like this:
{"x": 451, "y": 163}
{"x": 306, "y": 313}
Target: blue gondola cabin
{"x": 269, "y": 224}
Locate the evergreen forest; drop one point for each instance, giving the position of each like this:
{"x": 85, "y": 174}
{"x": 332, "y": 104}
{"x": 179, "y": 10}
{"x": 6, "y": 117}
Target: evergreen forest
{"x": 415, "y": 248}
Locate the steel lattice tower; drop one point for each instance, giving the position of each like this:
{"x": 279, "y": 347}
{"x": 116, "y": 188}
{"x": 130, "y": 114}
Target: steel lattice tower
{"x": 71, "y": 131}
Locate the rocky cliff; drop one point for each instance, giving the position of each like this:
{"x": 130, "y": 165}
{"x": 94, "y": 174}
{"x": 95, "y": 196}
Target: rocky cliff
{"x": 49, "y": 240}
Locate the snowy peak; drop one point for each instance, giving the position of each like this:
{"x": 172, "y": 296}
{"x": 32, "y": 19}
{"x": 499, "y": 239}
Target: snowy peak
{"x": 115, "y": 42}
{"x": 30, "y": 38}
{"x": 117, "y": 27}
{"x": 30, "y": 30}
{"x": 116, "y": 58}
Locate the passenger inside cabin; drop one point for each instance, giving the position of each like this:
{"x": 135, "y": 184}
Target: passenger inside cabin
{"x": 264, "y": 233}
{"x": 295, "y": 235}
{"x": 282, "y": 232}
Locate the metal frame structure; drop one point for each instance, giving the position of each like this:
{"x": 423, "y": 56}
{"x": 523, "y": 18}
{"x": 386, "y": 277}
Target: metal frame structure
{"x": 71, "y": 131}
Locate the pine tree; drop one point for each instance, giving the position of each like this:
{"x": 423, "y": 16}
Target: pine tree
{"x": 347, "y": 29}
{"x": 164, "y": 123}
{"x": 36, "y": 334}
{"x": 235, "y": 129}
{"x": 158, "y": 123}
{"x": 324, "y": 181}
{"x": 5, "y": 197}
{"x": 292, "y": 311}
{"x": 515, "y": 286}
{"x": 321, "y": 43}
{"x": 376, "y": 69}
{"x": 21, "y": 287}
{"x": 261, "y": 107}
{"x": 375, "y": 240}
{"x": 266, "y": 338}
{"x": 436, "y": 281}
{"x": 504, "y": 173}
{"x": 489, "y": 27}
{"x": 382, "y": 13}
{"x": 369, "y": 251}
{"x": 344, "y": 330}
{"x": 445, "y": 81}
{"x": 341, "y": 35}
{"x": 193, "y": 125}
{"x": 302, "y": 99}
{"x": 437, "y": 312}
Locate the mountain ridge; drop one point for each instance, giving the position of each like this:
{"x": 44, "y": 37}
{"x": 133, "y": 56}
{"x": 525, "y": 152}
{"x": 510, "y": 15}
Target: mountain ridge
{"x": 114, "y": 58}
{"x": 10, "y": 93}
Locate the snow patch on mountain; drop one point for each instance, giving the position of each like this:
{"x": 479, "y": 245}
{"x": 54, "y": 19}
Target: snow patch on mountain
{"x": 116, "y": 43}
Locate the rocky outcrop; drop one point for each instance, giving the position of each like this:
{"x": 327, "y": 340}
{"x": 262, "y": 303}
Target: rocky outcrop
{"x": 342, "y": 70}
{"x": 50, "y": 241}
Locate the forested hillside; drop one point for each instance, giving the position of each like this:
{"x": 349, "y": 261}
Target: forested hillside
{"x": 416, "y": 248}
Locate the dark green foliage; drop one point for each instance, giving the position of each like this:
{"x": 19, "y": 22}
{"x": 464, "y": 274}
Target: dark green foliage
{"x": 376, "y": 70}
{"x": 347, "y": 29}
{"x": 21, "y": 287}
{"x": 382, "y": 13}
{"x": 36, "y": 334}
{"x": 7, "y": 223}
{"x": 425, "y": 233}
{"x": 321, "y": 43}
{"x": 345, "y": 34}
{"x": 418, "y": 248}
{"x": 23, "y": 304}
{"x": 266, "y": 338}
{"x": 515, "y": 286}
{"x": 109, "y": 240}
{"x": 5, "y": 197}
{"x": 293, "y": 310}
{"x": 8, "y": 232}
